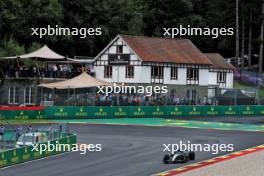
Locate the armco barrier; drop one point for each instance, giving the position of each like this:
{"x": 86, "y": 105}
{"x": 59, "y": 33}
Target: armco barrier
{"x": 19, "y": 155}
{"x": 70, "y": 112}
{"x": 79, "y": 112}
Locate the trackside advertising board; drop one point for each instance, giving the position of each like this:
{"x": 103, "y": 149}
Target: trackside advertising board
{"x": 82, "y": 112}
{"x": 19, "y": 155}
{"x": 151, "y": 111}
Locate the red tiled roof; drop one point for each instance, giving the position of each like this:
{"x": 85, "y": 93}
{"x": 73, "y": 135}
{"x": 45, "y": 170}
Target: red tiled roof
{"x": 153, "y": 49}
{"x": 218, "y": 61}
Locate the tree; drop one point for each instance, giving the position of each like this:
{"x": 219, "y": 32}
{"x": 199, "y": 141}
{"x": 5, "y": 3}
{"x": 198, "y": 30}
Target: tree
{"x": 250, "y": 39}
{"x": 133, "y": 17}
{"x": 160, "y": 14}
{"x": 114, "y": 17}
{"x": 243, "y": 26}
{"x": 19, "y": 16}
{"x": 261, "y": 39}
{"x": 237, "y": 31}
{"x": 11, "y": 48}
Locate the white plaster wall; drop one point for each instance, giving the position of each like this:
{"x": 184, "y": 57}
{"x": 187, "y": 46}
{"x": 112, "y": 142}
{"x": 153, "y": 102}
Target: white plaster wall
{"x": 229, "y": 80}
{"x": 138, "y": 75}
{"x": 212, "y": 78}
{"x": 142, "y": 74}
{"x": 119, "y": 72}
{"x": 204, "y": 75}
{"x": 182, "y": 75}
{"x": 112, "y": 48}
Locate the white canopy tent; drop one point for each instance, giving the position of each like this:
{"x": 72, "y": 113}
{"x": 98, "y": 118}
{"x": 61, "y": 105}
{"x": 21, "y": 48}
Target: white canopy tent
{"x": 86, "y": 61}
{"x": 82, "y": 81}
{"x": 45, "y": 52}
{"x": 79, "y": 85}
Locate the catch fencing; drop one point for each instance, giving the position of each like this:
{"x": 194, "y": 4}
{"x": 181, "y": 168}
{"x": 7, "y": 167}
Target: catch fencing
{"x": 23, "y": 154}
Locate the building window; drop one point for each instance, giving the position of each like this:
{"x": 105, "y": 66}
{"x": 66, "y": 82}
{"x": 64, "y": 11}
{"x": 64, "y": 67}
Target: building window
{"x": 108, "y": 71}
{"x": 129, "y": 71}
{"x": 174, "y": 73}
{"x": 13, "y": 93}
{"x": 119, "y": 49}
{"x": 192, "y": 73}
{"x": 28, "y": 95}
{"x": 157, "y": 72}
{"x": 221, "y": 77}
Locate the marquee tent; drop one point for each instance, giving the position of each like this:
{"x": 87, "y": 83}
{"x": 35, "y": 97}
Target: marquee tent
{"x": 82, "y": 81}
{"x": 45, "y": 53}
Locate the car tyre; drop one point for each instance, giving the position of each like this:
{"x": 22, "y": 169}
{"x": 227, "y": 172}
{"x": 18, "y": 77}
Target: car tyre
{"x": 185, "y": 160}
{"x": 166, "y": 159}
{"x": 192, "y": 156}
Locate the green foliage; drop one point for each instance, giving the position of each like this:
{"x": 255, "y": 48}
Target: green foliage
{"x": 133, "y": 17}
{"x": 34, "y": 46}
{"x": 11, "y": 48}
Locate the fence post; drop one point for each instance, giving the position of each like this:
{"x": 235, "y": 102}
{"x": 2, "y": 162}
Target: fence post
{"x": 53, "y": 92}
{"x": 68, "y": 96}
{"x": 236, "y": 96}
{"x": 67, "y": 128}
{"x": 258, "y": 98}
{"x": 4, "y": 143}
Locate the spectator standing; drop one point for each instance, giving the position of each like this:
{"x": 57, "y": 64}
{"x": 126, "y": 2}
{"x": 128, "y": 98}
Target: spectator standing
{"x": 2, "y": 131}
{"x": 29, "y": 128}
{"x": 55, "y": 71}
{"x": 19, "y": 130}
{"x": 34, "y": 70}
{"x": 92, "y": 71}
{"x": 82, "y": 69}
{"x": 59, "y": 67}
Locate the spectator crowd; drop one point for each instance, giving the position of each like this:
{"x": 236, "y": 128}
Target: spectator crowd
{"x": 89, "y": 99}
{"x": 47, "y": 71}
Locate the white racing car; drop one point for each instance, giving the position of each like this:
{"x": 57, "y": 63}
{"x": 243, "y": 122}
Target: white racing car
{"x": 179, "y": 157}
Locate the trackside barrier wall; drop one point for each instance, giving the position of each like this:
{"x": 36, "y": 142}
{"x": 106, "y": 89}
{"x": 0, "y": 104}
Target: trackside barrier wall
{"x": 22, "y": 113}
{"x": 68, "y": 112}
{"x": 19, "y": 155}
{"x": 79, "y": 112}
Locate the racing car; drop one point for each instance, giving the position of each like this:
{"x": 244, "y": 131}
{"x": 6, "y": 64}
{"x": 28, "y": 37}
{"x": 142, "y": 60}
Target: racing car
{"x": 179, "y": 157}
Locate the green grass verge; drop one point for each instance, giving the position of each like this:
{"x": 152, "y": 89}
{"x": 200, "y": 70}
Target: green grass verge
{"x": 169, "y": 122}
{"x": 150, "y": 122}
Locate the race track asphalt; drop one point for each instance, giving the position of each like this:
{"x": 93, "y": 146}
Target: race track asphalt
{"x": 129, "y": 150}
